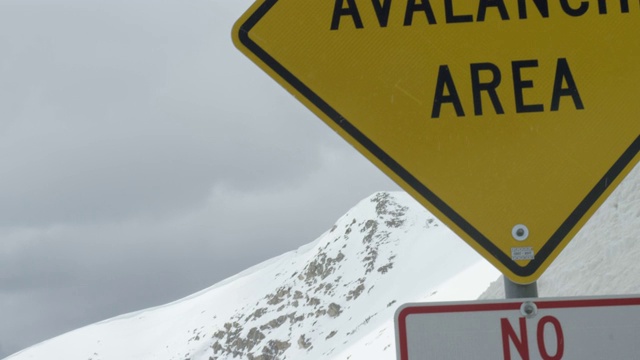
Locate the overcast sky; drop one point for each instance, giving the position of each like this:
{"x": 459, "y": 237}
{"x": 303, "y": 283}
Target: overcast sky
{"x": 143, "y": 158}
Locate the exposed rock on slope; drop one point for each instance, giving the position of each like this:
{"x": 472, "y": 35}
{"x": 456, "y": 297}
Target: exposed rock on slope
{"x": 356, "y": 253}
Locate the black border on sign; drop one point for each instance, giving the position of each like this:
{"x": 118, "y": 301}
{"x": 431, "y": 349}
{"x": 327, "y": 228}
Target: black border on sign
{"x": 523, "y": 271}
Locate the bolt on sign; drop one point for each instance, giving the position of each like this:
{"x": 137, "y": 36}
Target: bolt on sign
{"x": 536, "y": 329}
{"x": 512, "y": 121}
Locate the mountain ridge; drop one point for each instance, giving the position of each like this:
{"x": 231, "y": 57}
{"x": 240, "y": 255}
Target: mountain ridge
{"x": 335, "y": 297}
{"x": 312, "y": 302}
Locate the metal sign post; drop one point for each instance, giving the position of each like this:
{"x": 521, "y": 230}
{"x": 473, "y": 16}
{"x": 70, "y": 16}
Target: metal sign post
{"x": 519, "y": 291}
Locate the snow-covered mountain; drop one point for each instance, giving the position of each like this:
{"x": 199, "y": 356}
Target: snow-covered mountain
{"x": 312, "y": 303}
{"x": 335, "y": 298}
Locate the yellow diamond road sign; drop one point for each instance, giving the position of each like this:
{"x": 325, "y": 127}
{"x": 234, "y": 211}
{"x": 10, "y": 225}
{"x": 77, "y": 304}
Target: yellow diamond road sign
{"x": 510, "y": 120}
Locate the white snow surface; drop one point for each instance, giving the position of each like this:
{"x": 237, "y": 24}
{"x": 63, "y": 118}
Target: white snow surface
{"x": 335, "y": 298}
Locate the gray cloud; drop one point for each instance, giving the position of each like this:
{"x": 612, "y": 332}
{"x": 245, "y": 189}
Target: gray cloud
{"x": 65, "y": 276}
{"x": 144, "y": 158}
{"x": 122, "y": 113}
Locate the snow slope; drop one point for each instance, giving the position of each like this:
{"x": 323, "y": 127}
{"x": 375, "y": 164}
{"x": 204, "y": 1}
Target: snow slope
{"x": 312, "y": 303}
{"x": 335, "y": 298}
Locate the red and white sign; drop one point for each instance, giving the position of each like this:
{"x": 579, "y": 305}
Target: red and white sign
{"x": 522, "y": 329}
